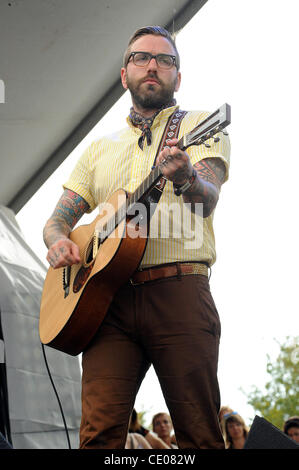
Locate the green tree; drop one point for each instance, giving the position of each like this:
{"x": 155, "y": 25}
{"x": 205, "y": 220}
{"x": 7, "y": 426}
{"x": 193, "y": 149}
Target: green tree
{"x": 280, "y": 399}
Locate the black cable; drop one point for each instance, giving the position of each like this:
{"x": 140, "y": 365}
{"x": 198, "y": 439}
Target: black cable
{"x": 59, "y": 403}
{"x": 4, "y": 407}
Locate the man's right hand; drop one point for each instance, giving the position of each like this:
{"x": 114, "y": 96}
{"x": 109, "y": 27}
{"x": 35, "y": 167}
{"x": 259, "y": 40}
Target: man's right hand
{"x": 63, "y": 253}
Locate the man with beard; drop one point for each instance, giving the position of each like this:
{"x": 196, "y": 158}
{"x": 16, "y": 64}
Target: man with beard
{"x": 164, "y": 315}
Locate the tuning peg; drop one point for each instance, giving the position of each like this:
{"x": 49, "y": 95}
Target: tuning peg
{"x": 216, "y": 139}
{"x": 224, "y": 132}
{"x": 207, "y": 145}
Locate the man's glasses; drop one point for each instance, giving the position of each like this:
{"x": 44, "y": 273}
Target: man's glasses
{"x": 141, "y": 59}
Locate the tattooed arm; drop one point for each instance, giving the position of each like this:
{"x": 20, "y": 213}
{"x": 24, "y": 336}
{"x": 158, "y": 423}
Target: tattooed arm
{"x": 177, "y": 167}
{"x": 206, "y": 187}
{"x": 62, "y": 251}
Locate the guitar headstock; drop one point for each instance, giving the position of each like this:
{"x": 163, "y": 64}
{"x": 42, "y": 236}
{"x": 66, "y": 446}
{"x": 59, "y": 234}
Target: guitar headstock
{"x": 214, "y": 123}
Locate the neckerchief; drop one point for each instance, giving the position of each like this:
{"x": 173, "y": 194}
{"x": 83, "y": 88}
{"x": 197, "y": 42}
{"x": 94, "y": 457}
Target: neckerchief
{"x": 145, "y": 123}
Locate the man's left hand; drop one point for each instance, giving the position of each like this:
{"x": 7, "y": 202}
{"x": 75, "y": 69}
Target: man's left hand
{"x": 175, "y": 163}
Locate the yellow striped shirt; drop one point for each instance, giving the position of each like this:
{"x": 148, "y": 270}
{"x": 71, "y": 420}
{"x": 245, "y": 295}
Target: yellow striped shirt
{"x": 116, "y": 161}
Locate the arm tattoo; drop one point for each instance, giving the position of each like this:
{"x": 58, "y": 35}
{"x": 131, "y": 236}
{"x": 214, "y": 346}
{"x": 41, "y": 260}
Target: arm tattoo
{"x": 67, "y": 213}
{"x": 211, "y": 171}
{"x": 211, "y": 174}
{"x": 70, "y": 208}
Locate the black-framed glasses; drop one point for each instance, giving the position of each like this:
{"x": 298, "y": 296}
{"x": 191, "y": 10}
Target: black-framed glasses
{"x": 141, "y": 59}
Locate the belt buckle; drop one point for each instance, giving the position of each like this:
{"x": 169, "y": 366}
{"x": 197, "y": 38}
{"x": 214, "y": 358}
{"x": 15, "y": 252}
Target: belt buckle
{"x": 136, "y": 283}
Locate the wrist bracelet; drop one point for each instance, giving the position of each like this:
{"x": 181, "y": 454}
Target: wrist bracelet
{"x": 182, "y": 188}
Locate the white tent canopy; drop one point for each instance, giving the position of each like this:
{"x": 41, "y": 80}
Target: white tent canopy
{"x": 60, "y": 67}
{"x": 35, "y": 415}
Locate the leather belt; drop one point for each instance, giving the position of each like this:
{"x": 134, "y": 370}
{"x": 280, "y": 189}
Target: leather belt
{"x": 168, "y": 270}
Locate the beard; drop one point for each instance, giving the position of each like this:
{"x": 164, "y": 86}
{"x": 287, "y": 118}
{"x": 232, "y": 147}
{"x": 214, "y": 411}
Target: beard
{"x": 148, "y": 96}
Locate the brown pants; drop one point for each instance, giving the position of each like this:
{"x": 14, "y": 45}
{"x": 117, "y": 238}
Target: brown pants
{"x": 174, "y": 325}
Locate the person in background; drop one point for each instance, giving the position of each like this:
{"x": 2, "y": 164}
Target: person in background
{"x": 136, "y": 429}
{"x": 235, "y": 430}
{"x": 162, "y": 426}
{"x": 136, "y": 441}
{"x": 291, "y": 428}
{"x": 224, "y": 411}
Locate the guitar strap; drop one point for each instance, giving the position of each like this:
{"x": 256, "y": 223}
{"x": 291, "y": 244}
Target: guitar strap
{"x": 171, "y": 131}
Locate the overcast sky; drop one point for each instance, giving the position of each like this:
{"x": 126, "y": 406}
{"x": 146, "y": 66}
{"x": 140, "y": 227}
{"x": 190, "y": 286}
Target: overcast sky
{"x": 243, "y": 53}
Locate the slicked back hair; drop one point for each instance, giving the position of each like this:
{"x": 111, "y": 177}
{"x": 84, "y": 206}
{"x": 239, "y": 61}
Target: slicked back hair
{"x": 155, "y": 31}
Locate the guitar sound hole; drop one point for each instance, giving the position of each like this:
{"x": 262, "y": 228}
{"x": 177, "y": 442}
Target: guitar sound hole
{"x": 85, "y": 270}
{"x": 90, "y": 255}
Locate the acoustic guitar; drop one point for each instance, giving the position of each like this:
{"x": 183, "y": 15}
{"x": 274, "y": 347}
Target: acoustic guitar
{"x": 75, "y": 299}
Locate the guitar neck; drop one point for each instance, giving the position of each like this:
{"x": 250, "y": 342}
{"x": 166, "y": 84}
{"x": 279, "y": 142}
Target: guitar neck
{"x": 205, "y": 130}
{"x": 154, "y": 176}
{"x": 151, "y": 180}
{"x": 146, "y": 185}
{"x": 142, "y": 190}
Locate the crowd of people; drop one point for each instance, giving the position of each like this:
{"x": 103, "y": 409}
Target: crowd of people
{"x": 161, "y": 436}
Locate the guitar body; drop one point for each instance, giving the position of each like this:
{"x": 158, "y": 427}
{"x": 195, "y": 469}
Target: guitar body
{"x": 69, "y": 322}
{"x": 76, "y": 299}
